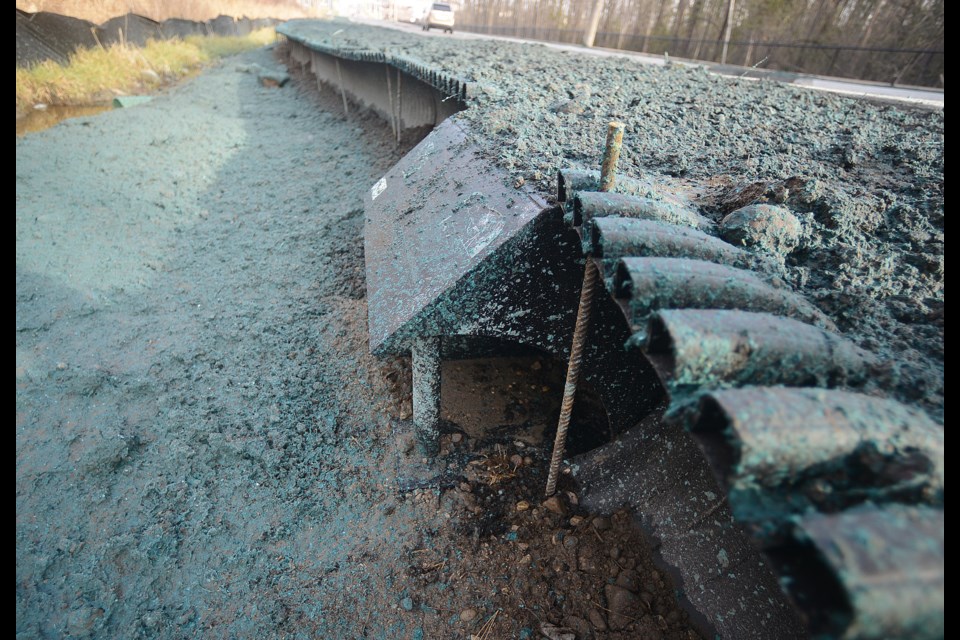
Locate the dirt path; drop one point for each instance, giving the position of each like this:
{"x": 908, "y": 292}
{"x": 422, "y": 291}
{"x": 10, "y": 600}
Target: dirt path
{"x": 205, "y": 447}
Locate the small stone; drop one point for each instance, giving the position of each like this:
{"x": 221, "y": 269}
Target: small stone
{"x": 623, "y": 605}
{"x": 536, "y": 366}
{"x": 465, "y": 486}
{"x": 596, "y": 619}
{"x": 614, "y": 552}
{"x": 661, "y": 623}
{"x": 572, "y": 497}
{"x": 407, "y": 604}
{"x": 629, "y": 580}
{"x": 527, "y": 460}
{"x": 468, "y": 615}
{"x": 553, "y": 632}
{"x": 523, "y": 505}
{"x": 576, "y": 521}
{"x": 80, "y": 621}
{"x": 273, "y": 78}
{"x": 601, "y": 523}
{"x": 150, "y": 620}
{"x": 723, "y": 559}
{"x": 586, "y": 564}
{"x": 768, "y": 227}
{"x": 61, "y": 366}
{"x": 579, "y": 626}
{"x": 456, "y": 438}
{"x": 525, "y": 560}
{"x": 555, "y": 505}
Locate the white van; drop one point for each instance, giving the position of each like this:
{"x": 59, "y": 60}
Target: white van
{"x": 440, "y": 16}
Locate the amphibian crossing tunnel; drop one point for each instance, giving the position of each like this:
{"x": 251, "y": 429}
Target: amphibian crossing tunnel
{"x": 785, "y": 490}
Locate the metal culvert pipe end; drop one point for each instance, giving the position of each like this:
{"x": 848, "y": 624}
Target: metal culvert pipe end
{"x": 712, "y": 428}
{"x": 677, "y": 283}
{"x": 577, "y": 209}
{"x": 617, "y": 238}
{"x": 570, "y": 181}
{"x": 622, "y": 285}
{"x": 596, "y": 204}
{"x": 660, "y": 349}
{"x": 717, "y": 348}
{"x": 869, "y": 572}
{"x": 593, "y": 240}
{"x": 819, "y": 448}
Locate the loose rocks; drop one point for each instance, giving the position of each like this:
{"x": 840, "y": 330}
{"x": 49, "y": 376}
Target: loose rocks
{"x": 767, "y": 227}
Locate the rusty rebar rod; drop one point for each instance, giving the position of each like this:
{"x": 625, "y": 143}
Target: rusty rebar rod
{"x": 611, "y": 155}
{"x": 573, "y": 371}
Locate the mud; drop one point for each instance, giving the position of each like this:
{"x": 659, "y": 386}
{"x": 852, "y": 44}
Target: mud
{"x": 205, "y": 447}
{"x": 864, "y": 179}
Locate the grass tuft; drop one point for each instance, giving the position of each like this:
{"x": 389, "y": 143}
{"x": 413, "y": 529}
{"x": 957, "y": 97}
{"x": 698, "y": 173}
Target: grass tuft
{"x": 94, "y": 75}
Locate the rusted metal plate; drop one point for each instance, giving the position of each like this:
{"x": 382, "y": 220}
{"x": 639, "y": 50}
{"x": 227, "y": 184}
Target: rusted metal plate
{"x": 888, "y": 568}
{"x": 453, "y": 249}
{"x": 712, "y": 348}
{"x": 436, "y": 215}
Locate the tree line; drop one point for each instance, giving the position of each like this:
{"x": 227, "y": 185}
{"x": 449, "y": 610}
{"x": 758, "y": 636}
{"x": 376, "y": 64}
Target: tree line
{"x": 893, "y": 41}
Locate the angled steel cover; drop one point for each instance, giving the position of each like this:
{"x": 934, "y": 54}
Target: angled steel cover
{"x": 432, "y": 219}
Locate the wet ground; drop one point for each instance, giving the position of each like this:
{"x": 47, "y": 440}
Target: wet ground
{"x": 44, "y": 118}
{"x": 205, "y": 447}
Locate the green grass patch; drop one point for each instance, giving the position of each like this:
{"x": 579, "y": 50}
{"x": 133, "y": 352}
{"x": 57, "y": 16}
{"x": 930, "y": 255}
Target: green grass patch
{"x": 93, "y": 75}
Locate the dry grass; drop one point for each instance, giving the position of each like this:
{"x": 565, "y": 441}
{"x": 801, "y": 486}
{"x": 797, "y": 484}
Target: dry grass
{"x": 95, "y": 74}
{"x": 496, "y": 468}
{"x": 99, "y": 11}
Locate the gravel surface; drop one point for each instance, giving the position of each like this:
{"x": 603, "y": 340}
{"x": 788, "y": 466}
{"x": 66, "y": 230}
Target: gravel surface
{"x": 864, "y": 179}
{"x": 205, "y": 447}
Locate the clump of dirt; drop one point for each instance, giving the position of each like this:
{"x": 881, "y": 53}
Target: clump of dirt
{"x": 514, "y": 565}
